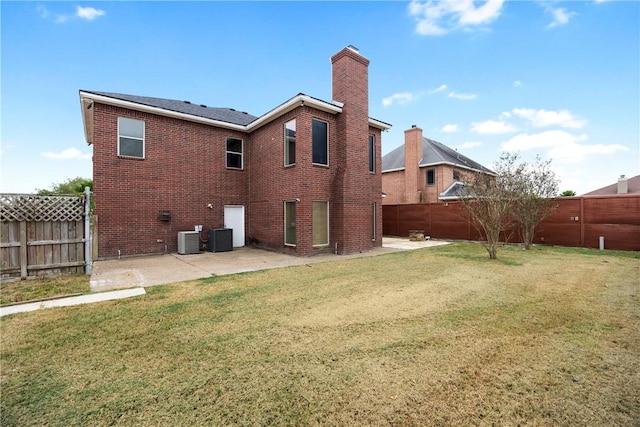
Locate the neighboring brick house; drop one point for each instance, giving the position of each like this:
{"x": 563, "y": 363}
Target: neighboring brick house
{"x": 304, "y": 178}
{"x": 425, "y": 171}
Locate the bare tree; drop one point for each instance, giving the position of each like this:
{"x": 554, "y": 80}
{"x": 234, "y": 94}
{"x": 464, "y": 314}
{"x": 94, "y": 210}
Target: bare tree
{"x": 488, "y": 206}
{"x": 532, "y": 188}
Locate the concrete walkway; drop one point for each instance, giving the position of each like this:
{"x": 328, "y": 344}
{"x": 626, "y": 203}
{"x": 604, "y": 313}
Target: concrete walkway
{"x": 131, "y": 275}
{"x": 172, "y": 268}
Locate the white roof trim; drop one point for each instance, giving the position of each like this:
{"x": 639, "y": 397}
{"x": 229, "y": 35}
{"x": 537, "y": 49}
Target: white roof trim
{"x": 378, "y": 124}
{"x": 393, "y": 170}
{"x": 456, "y": 165}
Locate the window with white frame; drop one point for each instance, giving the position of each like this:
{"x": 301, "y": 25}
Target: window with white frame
{"x": 130, "y": 138}
{"x": 290, "y": 143}
{"x": 372, "y": 153}
{"x": 320, "y": 223}
{"x": 290, "y": 223}
{"x": 320, "y": 142}
{"x": 234, "y": 153}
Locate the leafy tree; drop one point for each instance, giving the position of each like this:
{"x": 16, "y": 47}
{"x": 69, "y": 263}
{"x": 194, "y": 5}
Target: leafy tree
{"x": 488, "y": 205}
{"x": 568, "y": 193}
{"x": 520, "y": 195}
{"x": 72, "y": 186}
{"x": 532, "y": 187}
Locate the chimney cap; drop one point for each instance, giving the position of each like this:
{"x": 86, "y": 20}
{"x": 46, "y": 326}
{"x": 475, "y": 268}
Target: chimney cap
{"x": 622, "y": 176}
{"x": 413, "y": 126}
{"x": 353, "y": 48}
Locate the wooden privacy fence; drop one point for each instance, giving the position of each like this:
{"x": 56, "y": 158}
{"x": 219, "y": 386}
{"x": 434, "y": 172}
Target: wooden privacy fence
{"x": 577, "y": 221}
{"x": 44, "y": 235}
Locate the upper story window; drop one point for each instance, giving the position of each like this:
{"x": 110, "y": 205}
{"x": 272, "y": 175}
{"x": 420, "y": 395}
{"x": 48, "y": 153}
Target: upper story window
{"x": 130, "y": 137}
{"x": 290, "y": 143}
{"x": 234, "y": 153}
{"x": 320, "y": 137}
{"x": 456, "y": 175}
{"x": 431, "y": 176}
{"x": 372, "y": 153}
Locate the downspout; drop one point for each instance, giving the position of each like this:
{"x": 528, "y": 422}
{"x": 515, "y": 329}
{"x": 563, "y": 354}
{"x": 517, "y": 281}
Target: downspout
{"x": 87, "y": 231}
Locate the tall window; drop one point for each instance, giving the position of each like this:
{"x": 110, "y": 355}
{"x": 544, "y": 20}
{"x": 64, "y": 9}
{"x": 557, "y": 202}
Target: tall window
{"x": 130, "y": 138}
{"x": 320, "y": 142}
{"x": 290, "y": 143}
{"x": 320, "y": 223}
{"x": 234, "y": 153}
{"x": 372, "y": 153}
{"x": 431, "y": 176}
{"x": 374, "y": 208}
{"x": 456, "y": 175}
{"x": 290, "y": 223}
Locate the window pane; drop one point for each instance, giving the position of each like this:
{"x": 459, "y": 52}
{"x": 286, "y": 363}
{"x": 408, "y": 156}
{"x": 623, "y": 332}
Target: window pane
{"x": 320, "y": 146}
{"x": 372, "y": 153}
{"x": 131, "y": 147}
{"x": 234, "y": 160}
{"x": 290, "y": 223}
{"x": 130, "y": 127}
{"x": 234, "y": 145}
{"x": 431, "y": 176}
{"x": 320, "y": 223}
{"x": 290, "y": 142}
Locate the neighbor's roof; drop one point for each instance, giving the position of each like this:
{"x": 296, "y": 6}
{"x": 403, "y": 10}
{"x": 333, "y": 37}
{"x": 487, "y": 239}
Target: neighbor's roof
{"x": 221, "y": 117}
{"x": 633, "y": 187}
{"x": 433, "y": 153}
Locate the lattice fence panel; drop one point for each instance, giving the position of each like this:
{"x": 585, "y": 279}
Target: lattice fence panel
{"x": 30, "y": 207}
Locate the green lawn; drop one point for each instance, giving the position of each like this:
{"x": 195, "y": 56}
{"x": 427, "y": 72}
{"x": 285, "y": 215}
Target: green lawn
{"x": 437, "y": 336}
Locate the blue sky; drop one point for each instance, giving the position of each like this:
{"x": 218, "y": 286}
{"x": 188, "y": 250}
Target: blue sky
{"x": 555, "y": 79}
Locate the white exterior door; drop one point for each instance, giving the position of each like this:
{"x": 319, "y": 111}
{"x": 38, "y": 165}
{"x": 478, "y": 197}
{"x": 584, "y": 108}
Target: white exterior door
{"x": 234, "y": 219}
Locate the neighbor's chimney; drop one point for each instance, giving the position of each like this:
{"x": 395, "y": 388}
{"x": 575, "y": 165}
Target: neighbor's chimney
{"x": 623, "y": 187}
{"x": 412, "y": 157}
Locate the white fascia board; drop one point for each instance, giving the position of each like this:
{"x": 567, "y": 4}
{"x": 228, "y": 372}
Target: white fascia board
{"x": 392, "y": 170}
{"x": 159, "y": 111}
{"x": 87, "y": 119}
{"x": 293, "y": 103}
{"x": 378, "y": 124}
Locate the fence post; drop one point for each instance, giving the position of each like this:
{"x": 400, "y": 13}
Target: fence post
{"x": 23, "y": 250}
{"x": 87, "y": 231}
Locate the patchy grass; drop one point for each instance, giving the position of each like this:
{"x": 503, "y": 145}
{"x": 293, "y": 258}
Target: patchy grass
{"x": 439, "y": 336}
{"x": 41, "y": 288}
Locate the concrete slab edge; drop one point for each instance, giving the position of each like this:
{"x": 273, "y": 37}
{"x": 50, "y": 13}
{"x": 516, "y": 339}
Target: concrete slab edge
{"x": 66, "y": 302}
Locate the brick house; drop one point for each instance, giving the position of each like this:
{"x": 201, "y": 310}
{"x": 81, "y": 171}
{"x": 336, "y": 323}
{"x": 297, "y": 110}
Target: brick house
{"x": 304, "y": 178}
{"x": 425, "y": 171}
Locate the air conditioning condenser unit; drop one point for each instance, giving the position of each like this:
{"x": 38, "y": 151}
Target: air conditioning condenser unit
{"x": 188, "y": 242}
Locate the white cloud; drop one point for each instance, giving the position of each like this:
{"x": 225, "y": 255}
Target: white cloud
{"x": 467, "y": 145}
{"x": 560, "y": 145}
{"x": 89, "y": 13}
{"x": 449, "y": 128}
{"x": 438, "y": 17}
{"x": 517, "y": 83}
{"x": 69, "y": 153}
{"x": 398, "y": 98}
{"x": 45, "y": 14}
{"x": 560, "y": 16}
{"x": 440, "y": 88}
{"x": 463, "y": 96}
{"x": 492, "y": 127}
{"x": 544, "y": 118}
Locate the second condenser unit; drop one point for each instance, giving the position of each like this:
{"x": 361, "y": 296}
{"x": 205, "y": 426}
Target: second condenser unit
{"x": 220, "y": 240}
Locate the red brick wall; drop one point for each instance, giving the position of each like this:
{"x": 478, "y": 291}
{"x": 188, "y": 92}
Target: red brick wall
{"x": 355, "y": 189}
{"x": 183, "y": 170}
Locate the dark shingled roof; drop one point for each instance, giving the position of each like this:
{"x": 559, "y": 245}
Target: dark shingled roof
{"x": 227, "y": 115}
{"x": 433, "y": 153}
{"x": 633, "y": 187}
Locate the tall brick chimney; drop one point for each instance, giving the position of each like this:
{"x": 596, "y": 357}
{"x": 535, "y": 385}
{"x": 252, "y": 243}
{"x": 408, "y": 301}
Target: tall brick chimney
{"x": 412, "y": 156}
{"x": 352, "y": 187}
